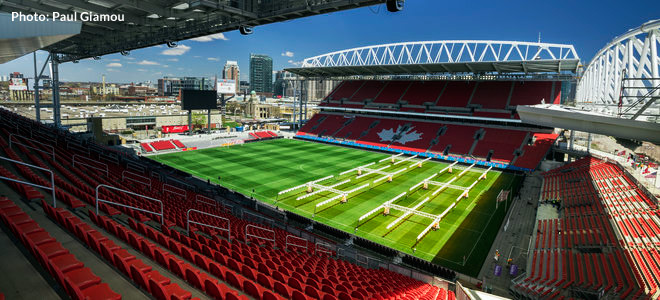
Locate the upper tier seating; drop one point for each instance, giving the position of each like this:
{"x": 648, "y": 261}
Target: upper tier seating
{"x": 392, "y": 92}
{"x": 494, "y": 99}
{"x": 421, "y": 92}
{"x": 533, "y": 92}
{"x": 369, "y": 90}
{"x": 492, "y": 95}
{"x": 456, "y": 94}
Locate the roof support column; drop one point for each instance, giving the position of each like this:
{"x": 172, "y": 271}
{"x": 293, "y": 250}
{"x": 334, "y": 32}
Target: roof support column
{"x": 37, "y": 112}
{"x": 55, "y": 73}
{"x": 300, "y": 120}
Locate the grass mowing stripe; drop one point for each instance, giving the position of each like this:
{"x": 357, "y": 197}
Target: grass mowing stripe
{"x": 271, "y": 166}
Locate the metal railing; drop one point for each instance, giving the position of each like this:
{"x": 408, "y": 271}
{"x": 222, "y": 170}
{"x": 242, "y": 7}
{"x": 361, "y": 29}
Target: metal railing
{"x": 188, "y": 221}
{"x": 135, "y": 167}
{"x": 161, "y": 214}
{"x": 323, "y": 248}
{"x": 52, "y": 178}
{"x": 206, "y": 200}
{"x": 52, "y": 150}
{"x": 73, "y": 159}
{"x": 293, "y": 237}
{"x": 258, "y": 236}
{"x": 124, "y": 177}
{"x": 174, "y": 190}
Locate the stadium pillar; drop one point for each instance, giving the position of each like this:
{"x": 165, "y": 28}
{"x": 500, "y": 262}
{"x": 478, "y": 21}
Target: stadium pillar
{"x": 55, "y": 74}
{"x": 300, "y": 120}
{"x": 208, "y": 127}
{"x": 589, "y": 142}
{"x": 295, "y": 93}
{"x": 570, "y": 142}
{"x": 37, "y": 112}
{"x": 190, "y": 122}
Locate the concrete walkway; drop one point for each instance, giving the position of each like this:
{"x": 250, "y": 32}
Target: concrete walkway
{"x": 514, "y": 242}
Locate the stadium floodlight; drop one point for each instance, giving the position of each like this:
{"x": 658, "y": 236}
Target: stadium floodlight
{"x": 391, "y": 158}
{"x": 425, "y": 182}
{"x": 322, "y": 188}
{"x": 245, "y": 30}
{"x": 395, "y": 5}
{"x": 389, "y": 176}
{"x": 419, "y": 163}
{"x": 467, "y": 169}
{"x": 351, "y": 170}
{"x": 304, "y": 184}
{"x": 483, "y": 175}
{"x": 405, "y": 160}
{"x": 436, "y": 222}
{"x": 343, "y": 196}
{"x": 407, "y": 213}
{"x": 388, "y": 202}
{"x": 445, "y": 185}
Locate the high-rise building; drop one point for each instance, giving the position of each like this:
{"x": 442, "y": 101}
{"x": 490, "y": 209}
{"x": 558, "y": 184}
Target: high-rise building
{"x": 232, "y": 72}
{"x": 261, "y": 73}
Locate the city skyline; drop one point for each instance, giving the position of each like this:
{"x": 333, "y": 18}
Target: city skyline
{"x": 288, "y": 43}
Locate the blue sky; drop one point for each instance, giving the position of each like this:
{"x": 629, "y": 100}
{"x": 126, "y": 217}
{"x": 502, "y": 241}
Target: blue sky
{"x": 588, "y": 25}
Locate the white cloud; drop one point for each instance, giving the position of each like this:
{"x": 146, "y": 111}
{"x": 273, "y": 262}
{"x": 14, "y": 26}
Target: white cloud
{"x": 141, "y": 70}
{"x": 197, "y": 56}
{"x": 148, "y": 63}
{"x": 166, "y": 66}
{"x": 178, "y": 50}
{"x": 210, "y": 37}
{"x": 172, "y": 59}
{"x": 287, "y": 53}
{"x": 112, "y": 70}
{"x": 179, "y": 68}
{"x": 213, "y": 59}
{"x": 113, "y": 65}
{"x": 295, "y": 63}
{"x": 89, "y": 69}
{"x": 129, "y": 58}
{"x": 115, "y": 59}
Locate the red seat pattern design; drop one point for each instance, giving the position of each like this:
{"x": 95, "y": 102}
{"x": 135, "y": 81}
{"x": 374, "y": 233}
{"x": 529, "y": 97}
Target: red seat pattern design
{"x": 601, "y": 209}
{"x": 78, "y": 280}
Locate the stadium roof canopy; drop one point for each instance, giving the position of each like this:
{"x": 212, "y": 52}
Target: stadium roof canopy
{"x": 154, "y": 22}
{"x": 31, "y": 36}
{"x": 443, "y": 57}
{"x": 623, "y": 78}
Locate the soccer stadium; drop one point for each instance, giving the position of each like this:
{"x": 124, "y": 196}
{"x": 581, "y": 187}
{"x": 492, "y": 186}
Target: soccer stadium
{"x": 448, "y": 169}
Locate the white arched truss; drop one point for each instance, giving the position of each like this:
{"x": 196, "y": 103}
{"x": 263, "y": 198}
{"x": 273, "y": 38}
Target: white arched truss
{"x": 437, "y": 52}
{"x": 623, "y": 77}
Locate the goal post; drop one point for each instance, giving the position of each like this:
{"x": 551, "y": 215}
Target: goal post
{"x": 503, "y": 196}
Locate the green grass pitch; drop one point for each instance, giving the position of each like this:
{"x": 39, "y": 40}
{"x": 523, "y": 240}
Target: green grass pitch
{"x": 275, "y": 165}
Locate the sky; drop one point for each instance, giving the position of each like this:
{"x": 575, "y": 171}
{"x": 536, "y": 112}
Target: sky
{"x": 586, "y": 24}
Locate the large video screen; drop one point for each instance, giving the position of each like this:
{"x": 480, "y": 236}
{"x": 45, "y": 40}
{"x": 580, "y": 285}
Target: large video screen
{"x": 196, "y": 99}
